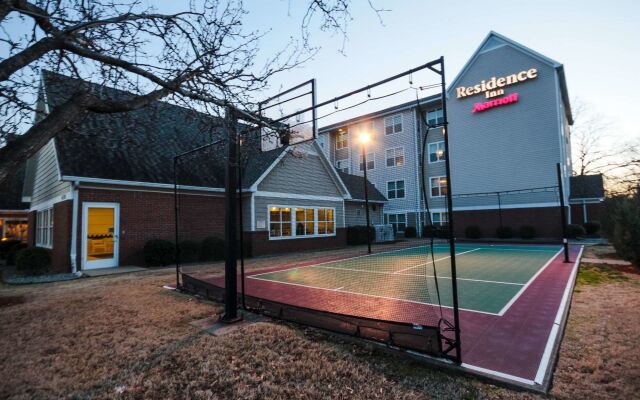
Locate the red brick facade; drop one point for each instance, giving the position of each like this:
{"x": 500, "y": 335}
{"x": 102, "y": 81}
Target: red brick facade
{"x": 61, "y": 251}
{"x": 260, "y": 243}
{"x": 546, "y": 221}
{"x": 594, "y": 213}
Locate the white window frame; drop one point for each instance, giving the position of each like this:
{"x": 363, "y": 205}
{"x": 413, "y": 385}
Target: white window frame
{"x": 371, "y": 158}
{"x": 440, "y": 215}
{"x": 404, "y": 189}
{"x": 293, "y": 222}
{"x": 437, "y": 117}
{"x": 395, "y": 157}
{"x": 391, "y": 121}
{"x": 344, "y": 132}
{"x": 431, "y": 178}
{"x": 437, "y": 146}
{"x": 44, "y": 228}
{"x": 388, "y": 218}
{"x": 348, "y": 167}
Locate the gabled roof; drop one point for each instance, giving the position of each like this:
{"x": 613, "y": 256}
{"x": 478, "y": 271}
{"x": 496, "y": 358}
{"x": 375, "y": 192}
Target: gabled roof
{"x": 139, "y": 146}
{"x": 355, "y": 186}
{"x": 11, "y": 191}
{"x": 493, "y": 40}
{"x": 586, "y": 187}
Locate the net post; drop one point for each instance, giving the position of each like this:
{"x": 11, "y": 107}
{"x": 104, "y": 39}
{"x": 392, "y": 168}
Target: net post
{"x": 452, "y": 244}
{"x": 366, "y": 197}
{"x": 563, "y": 217}
{"x": 175, "y": 216}
{"x": 231, "y": 220}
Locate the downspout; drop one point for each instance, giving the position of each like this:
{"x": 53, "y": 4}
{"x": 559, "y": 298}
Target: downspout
{"x": 74, "y": 228}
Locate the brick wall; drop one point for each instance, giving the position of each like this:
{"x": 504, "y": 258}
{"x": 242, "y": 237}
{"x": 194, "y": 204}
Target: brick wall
{"x": 546, "y": 221}
{"x": 260, "y": 243}
{"x": 60, "y": 254}
{"x": 594, "y": 212}
{"x": 31, "y": 230}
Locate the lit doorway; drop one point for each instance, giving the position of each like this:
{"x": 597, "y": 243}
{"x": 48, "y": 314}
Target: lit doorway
{"x": 100, "y": 235}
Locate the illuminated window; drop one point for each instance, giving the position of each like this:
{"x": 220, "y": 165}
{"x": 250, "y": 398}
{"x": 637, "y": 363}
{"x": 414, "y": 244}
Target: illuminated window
{"x": 342, "y": 139}
{"x": 44, "y": 228}
{"x": 395, "y": 190}
{"x": 370, "y": 161}
{"x": 439, "y": 218}
{"x": 326, "y": 221}
{"x": 438, "y": 186}
{"x": 435, "y": 117}
{"x": 398, "y": 221}
{"x": 280, "y": 222}
{"x": 436, "y": 152}
{"x": 300, "y": 222}
{"x": 393, "y": 124}
{"x": 305, "y": 222}
{"x": 343, "y": 165}
{"x": 395, "y": 157}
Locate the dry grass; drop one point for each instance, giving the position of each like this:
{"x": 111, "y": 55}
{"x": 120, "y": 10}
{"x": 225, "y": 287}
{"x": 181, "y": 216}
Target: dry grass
{"x": 126, "y": 337}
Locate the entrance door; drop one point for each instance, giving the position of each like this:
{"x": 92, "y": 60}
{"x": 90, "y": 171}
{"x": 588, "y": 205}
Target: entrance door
{"x": 100, "y": 235}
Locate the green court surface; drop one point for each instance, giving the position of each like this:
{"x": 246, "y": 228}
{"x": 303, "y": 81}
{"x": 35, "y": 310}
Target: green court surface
{"x": 489, "y": 277}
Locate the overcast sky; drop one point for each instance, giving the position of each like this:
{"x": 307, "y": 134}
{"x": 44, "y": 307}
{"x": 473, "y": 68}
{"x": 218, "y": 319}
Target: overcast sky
{"x": 596, "y": 41}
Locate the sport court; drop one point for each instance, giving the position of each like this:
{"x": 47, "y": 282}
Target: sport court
{"x": 490, "y": 277}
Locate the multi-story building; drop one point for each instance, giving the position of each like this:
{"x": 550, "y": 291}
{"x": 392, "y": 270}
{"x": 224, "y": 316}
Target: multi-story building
{"x": 509, "y": 118}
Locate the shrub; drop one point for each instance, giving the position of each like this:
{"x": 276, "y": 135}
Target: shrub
{"x": 212, "y": 249}
{"x": 440, "y": 232}
{"x": 527, "y": 232}
{"x": 504, "y": 232}
{"x": 626, "y": 228}
{"x": 357, "y": 234}
{"x": 189, "y": 251}
{"x": 410, "y": 232}
{"x": 574, "y": 231}
{"x": 33, "y": 261}
{"x": 473, "y": 232}
{"x": 7, "y": 245}
{"x": 11, "y": 255}
{"x": 159, "y": 252}
{"x": 591, "y": 227}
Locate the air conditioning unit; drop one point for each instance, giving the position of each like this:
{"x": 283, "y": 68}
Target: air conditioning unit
{"x": 384, "y": 233}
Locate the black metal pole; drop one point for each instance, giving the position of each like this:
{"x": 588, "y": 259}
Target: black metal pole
{"x": 241, "y": 223}
{"x": 452, "y": 239}
{"x": 565, "y": 242}
{"x": 231, "y": 221}
{"x": 499, "y": 209}
{"x": 366, "y": 198}
{"x": 175, "y": 216}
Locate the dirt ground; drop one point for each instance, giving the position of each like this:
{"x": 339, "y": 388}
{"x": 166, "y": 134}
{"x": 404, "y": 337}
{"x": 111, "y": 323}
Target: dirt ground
{"x": 126, "y": 337}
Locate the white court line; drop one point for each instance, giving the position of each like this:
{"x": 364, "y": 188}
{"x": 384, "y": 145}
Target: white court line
{"x": 443, "y": 258}
{"x": 498, "y": 374}
{"x": 368, "y": 295}
{"x": 364, "y": 271}
{"x": 524, "y": 288}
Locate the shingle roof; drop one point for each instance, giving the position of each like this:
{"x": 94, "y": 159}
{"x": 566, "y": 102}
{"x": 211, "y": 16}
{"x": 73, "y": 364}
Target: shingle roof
{"x": 586, "y": 187}
{"x": 139, "y": 146}
{"x": 11, "y": 191}
{"x": 355, "y": 186}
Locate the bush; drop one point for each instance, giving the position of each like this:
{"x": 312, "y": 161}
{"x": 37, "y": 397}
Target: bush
{"x": 527, "y": 232}
{"x": 33, "y": 261}
{"x": 410, "y": 232}
{"x": 189, "y": 251}
{"x": 440, "y": 232}
{"x": 504, "y": 232}
{"x": 7, "y": 245}
{"x": 473, "y": 232}
{"x": 626, "y": 228}
{"x": 357, "y": 234}
{"x": 159, "y": 252}
{"x": 591, "y": 227}
{"x": 212, "y": 249}
{"x": 11, "y": 255}
{"x": 574, "y": 231}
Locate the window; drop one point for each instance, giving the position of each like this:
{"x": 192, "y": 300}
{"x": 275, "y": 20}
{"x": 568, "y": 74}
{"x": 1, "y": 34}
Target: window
{"x": 395, "y": 190}
{"x": 439, "y": 218}
{"x": 435, "y": 117}
{"x": 436, "y": 152}
{"x": 280, "y": 221}
{"x": 342, "y": 139}
{"x": 326, "y": 222}
{"x": 398, "y": 221}
{"x": 395, "y": 157}
{"x": 294, "y": 222}
{"x": 393, "y": 124}
{"x": 371, "y": 158}
{"x": 305, "y": 222}
{"x": 44, "y": 228}
{"x": 438, "y": 186}
{"x": 343, "y": 165}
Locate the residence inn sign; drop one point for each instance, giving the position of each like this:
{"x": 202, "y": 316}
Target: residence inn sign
{"x": 494, "y": 87}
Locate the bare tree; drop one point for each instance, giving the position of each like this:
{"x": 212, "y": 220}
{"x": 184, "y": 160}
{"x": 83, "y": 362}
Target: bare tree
{"x": 203, "y": 58}
{"x": 588, "y": 134}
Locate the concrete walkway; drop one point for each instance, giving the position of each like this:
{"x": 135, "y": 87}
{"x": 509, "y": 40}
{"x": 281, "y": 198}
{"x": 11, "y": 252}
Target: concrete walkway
{"x": 609, "y": 261}
{"x": 111, "y": 271}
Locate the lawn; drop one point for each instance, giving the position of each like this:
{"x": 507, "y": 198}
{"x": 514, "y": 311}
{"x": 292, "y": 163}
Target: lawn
{"x": 127, "y": 337}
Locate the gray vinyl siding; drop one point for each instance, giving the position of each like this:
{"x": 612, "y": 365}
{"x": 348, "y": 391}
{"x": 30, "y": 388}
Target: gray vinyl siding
{"x": 510, "y": 147}
{"x": 46, "y": 183}
{"x": 432, "y": 169}
{"x": 301, "y": 173}
{"x": 262, "y": 208}
{"x": 351, "y": 213}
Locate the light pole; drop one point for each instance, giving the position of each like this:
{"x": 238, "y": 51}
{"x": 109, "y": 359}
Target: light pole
{"x": 364, "y": 139}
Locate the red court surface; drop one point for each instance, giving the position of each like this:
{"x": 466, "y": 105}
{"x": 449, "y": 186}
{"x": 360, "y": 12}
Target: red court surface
{"x": 519, "y": 346}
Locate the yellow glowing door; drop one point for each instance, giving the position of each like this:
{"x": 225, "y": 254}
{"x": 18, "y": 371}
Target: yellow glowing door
{"x": 100, "y": 235}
